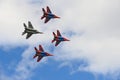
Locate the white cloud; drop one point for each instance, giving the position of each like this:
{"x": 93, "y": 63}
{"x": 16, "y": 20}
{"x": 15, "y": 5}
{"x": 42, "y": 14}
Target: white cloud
{"x": 24, "y": 69}
{"x": 97, "y": 20}
{"x": 99, "y": 44}
{"x": 13, "y": 15}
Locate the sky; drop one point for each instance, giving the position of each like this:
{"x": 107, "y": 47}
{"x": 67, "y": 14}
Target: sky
{"x": 93, "y": 52}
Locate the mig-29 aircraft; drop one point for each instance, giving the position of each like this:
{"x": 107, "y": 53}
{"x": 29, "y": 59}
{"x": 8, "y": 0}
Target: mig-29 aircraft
{"x": 40, "y": 53}
{"x": 58, "y": 38}
{"x": 48, "y": 14}
{"x": 30, "y": 30}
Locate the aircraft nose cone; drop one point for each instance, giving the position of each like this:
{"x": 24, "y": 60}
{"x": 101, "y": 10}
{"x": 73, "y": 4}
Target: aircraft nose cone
{"x": 40, "y": 32}
{"x": 49, "y": 55}
{"x": 66, "y": 39}
{"x": 56, "y": 16}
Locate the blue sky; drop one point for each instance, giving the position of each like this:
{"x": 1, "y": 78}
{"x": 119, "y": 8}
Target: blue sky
{"x": 9, "y": 59}
{"x": 91, "y": 54}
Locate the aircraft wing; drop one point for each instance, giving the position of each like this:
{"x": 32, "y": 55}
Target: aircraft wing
{"x": 57, "y": 42}
{"x": 30, "y": 25}
{"x": 58, "y": 33}
{"x": 28, "y": 35}
{"x": 46, "y": 20}
{"x": 48, "y": 10}
{"x": 39, "y": 58}
{"x": 41, "y": 48}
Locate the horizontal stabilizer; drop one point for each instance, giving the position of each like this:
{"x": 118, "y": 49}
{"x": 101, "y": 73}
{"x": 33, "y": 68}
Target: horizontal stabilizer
{"x": 23, "y": 33}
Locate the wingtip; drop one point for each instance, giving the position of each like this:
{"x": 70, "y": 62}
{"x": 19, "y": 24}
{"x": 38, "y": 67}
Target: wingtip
{"x": 47, "y": 6}
{"x": 56, "y": 45}
{"x": 40, "y": 45}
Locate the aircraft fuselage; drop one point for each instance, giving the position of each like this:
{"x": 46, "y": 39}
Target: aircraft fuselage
{"x": 43, "y": 54}
{"x": 50, "y": 15}
{"x": 33, "y": 31}
{"x": 60, "y": 38}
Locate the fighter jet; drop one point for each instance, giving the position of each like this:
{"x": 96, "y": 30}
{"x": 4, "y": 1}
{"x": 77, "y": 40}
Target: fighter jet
{"x": 30, "y": 30}
{"x": 58, "y": 38}
{"x": 48, "y": 14}
{"x": 40, "y": 53}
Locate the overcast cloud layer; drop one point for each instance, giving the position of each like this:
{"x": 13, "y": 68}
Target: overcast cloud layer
{"x": 91, "y": 25}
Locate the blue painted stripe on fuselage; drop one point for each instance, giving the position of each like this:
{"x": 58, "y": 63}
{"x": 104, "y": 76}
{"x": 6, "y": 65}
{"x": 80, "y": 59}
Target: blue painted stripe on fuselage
{"x": 60, "y": 38}
{"x": 50, "y": 15}
{"x": 43, "y": 54}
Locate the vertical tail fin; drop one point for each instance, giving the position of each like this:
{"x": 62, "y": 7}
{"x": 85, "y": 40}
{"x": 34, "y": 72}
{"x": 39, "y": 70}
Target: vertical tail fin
{"x": 43, "y": 13}
{"x": 24, "y": 25}
{"x": 36, "y": 49}
{"x": 54, "y": 37}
